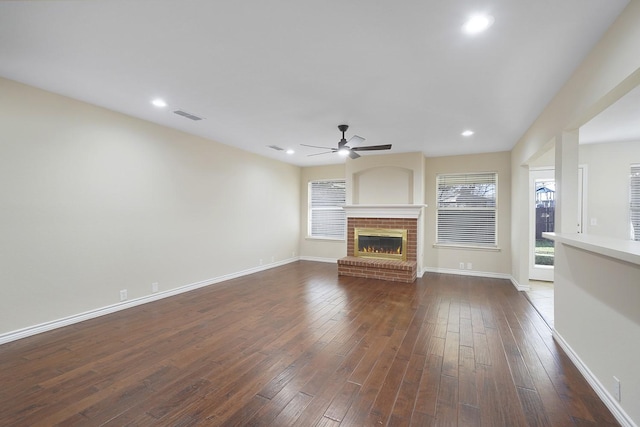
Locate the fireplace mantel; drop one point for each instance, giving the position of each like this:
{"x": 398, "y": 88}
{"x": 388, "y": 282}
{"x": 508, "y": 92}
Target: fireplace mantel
{"x": 383, "y": 211}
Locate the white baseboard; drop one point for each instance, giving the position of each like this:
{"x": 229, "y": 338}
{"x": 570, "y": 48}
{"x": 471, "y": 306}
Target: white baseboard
{"x": 519, "y": 286}
{"x": 596, "y": 385}
{"x": 491, "y": 275}
{"x": 91, "y": 314}
{"x": 467, "y": 273}
{"x": 319, "y": 259}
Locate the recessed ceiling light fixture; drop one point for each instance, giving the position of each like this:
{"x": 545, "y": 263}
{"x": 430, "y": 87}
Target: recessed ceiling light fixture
{"x": 477, "y": 24}
{"x": 290, "y": 151}
{"x": 467, "y": 133}
{"x": 159, "y": 103}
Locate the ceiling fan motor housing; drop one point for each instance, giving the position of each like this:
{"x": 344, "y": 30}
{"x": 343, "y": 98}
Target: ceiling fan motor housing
{"x": 343, "y": 141}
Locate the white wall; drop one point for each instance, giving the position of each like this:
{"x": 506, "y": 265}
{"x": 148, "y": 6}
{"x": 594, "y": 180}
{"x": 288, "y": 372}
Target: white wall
{"x": 486, "y": 262}
{"x": 93, "y": 202}
{"x": 313, "y": 248}
{"x": 608, "y": 71}
{"x": 608, "y": 167}
{"x": 596, "y": 313}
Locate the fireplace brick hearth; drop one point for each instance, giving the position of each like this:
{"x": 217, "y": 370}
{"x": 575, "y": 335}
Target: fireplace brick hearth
{"x": 394, "y": 271}
{"x": 384, "y": 269}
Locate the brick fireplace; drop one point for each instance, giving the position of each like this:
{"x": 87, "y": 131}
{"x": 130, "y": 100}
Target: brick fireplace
{"x": 387, "y": 217}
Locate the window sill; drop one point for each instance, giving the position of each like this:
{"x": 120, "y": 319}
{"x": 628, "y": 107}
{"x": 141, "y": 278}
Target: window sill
{"x": 325, "y": 239}
{"x": 467, "y": 247}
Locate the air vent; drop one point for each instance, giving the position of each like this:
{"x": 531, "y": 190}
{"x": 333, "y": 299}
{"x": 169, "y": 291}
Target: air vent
{"x": 275, "y": 147}
{"x": 187, "y": 115}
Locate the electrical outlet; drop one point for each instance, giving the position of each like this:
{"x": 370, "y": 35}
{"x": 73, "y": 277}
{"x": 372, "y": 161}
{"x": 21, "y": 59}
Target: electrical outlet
{"x": 260, "y": 262}
{"x": 273, "y": 258}
{"x": 594, "y": 221}
{"x": 462, "y": 266}
{"x": 616, "y": 389}
{"x": 469, "y": 266}
{"x": 154, "y": 287}
{"x": 123, "y": 295}
{"x": 293, "y": 254}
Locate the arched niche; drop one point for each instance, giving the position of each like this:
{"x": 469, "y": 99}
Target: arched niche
{"x": 383, "y": 185}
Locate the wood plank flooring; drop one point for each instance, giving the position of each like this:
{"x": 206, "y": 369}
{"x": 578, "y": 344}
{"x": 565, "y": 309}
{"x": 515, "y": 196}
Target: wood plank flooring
{"x": 299, "y": 346}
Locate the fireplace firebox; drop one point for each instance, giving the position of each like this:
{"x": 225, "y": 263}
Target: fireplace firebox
{"x": 384, "y": 243}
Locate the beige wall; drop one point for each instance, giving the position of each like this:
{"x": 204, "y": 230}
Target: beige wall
{"x": 385, "y": 179}
{"x": 590, "y": 309}
{"x": 94, "y": 202}
{"x": 482, "y": 261}
{"x": 607, "y": 195}
{"x": 409, "y": 178}
{"x": 311, "y": 248}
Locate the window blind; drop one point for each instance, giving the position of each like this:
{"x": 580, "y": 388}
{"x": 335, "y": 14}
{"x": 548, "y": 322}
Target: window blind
{"x": 327, "y": 219}
{"x": 634, "y": 199}
{"x": 466, "y": 209}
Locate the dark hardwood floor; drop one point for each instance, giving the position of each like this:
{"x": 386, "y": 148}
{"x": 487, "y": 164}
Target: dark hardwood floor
{"x": 298, "y": 345}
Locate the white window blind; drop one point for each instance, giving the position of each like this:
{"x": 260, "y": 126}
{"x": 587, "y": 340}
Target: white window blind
{"x": 327, "y": 219}
{"x": 466, "y": 209}
{"x": 634, "y": 198}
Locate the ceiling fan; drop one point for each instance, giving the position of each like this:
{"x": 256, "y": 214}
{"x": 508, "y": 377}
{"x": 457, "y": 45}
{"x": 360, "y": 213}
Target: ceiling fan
{"x": 349, "y": 148}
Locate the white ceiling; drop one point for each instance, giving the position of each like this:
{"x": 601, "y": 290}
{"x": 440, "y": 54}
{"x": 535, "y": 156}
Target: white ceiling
{"x": 285, "y": 72}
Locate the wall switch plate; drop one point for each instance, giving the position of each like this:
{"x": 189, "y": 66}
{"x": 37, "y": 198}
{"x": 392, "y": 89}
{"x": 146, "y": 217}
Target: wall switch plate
{"x": 123, "y": 295}
{"x": 154, "y": 287}
{"x": 616, "y": 389}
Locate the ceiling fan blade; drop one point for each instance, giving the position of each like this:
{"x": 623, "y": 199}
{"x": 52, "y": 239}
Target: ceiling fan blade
{"x": 373, "y": 147}
{"x": 353, "y": 154}
{"x": 315, "y": 146}
{"x": 354, "y": 141}
{"x": 317, "y": 154}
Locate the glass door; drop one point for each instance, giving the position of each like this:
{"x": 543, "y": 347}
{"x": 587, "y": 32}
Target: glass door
{"x": 543, "y": 205}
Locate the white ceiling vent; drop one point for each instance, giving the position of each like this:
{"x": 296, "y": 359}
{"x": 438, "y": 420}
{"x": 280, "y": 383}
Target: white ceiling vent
{"x": 275, "y": 147}
{"x": 187, "y": 115}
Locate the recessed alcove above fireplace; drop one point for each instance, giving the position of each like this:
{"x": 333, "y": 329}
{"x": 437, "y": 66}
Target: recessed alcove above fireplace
{"x": 384, "y": 226}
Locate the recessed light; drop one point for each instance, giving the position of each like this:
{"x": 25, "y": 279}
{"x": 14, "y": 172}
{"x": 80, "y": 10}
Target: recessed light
{"x": 467, "y": 133}
{"x": 477, "y": 24}
{"x": 290, "y": 151}
{"x": 159, "y": 102}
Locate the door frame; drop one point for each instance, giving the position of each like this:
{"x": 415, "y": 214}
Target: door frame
{"x": 545, "y": 273}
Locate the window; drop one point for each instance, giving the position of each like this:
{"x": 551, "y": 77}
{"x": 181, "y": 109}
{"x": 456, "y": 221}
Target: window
{"x": 466, "y": 209}
{"x": 634, "y": 199}
{"x": 327, "y": 219}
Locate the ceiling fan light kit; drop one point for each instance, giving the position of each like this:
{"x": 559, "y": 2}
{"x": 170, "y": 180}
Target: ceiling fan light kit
{"x": 349, "y": 148}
